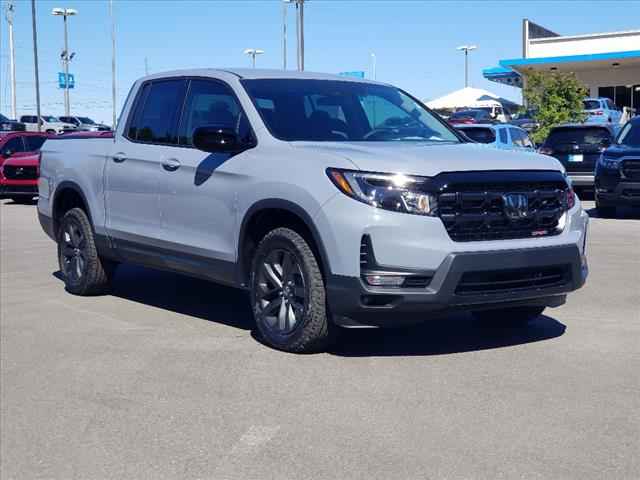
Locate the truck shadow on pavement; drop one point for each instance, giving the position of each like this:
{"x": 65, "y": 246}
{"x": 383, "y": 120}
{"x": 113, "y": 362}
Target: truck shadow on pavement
{"x": 623, "y": 213}
{"x": 456, "y": 333}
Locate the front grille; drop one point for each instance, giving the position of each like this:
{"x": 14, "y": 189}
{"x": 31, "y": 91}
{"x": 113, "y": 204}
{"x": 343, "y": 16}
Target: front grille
{"x": 631, "y": 169}
{"x": 15, "y": 172}
{"x": 472, "y": 207}
{"x": 504, "y": 281}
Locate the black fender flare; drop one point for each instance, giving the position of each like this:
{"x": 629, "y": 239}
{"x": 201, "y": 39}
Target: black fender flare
{"x": 68, "y": 185}
{"x": 280, "y": 204}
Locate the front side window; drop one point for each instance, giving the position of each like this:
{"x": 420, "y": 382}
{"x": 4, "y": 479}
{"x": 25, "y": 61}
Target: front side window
{"x": 159, "y": 116}
{"x": 334, "y": 110}
{"x": 14, "y": 145}
{"x": 630, "y": 135}
{"x": 211, "y": 103}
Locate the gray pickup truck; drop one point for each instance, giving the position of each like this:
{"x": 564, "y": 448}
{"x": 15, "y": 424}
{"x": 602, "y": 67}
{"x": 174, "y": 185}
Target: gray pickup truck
{"x": 333, "y": 201}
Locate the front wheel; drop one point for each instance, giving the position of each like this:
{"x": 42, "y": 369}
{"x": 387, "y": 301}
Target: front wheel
{"x": 515, "y": 316}
{"x": 288, "y": 294}
{"x": 84, "y": 271}
{"x": 605, "y": 211}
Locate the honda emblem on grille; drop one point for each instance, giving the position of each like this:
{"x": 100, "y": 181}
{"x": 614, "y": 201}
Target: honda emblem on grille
{"x": 19, "y": 171}
{"x": 516, "y": 206}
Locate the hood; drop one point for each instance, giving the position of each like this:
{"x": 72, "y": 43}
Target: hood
{"x": 429, "y": 159}
{"x": 22, "y": 159}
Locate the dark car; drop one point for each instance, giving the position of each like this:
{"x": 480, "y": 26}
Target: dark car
{"x": 470, "y": 116}
{"x": 617, "y": 173}
{"x": 526, "y": 120}
{"x": 8, "y": 125}
{"x": 578, "y": 147}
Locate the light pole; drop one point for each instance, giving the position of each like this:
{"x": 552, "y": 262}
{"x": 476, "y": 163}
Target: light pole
{"x": 10, "y": 8}
{"x": 35, "y": 62}
{"x": 374, "y": 62}
{"x": 66, "y": 58}
{"x": 253, "y": 52}
{"x": 466, "y": 49}
{"x": 284, "y": 33}
{"x": 300, "y": 31}
{"x": 113, "y": 64}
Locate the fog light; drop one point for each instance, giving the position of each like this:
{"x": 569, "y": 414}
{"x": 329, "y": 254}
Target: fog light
{"x": 384, "y": 280}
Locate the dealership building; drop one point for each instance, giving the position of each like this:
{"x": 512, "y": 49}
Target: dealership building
{"x": 608, "y": 64}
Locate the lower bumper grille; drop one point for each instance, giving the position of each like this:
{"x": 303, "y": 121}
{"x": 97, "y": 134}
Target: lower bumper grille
{"x": 631, "y": 169}
{"x": 14, "y": 172}
{"x": 501, "y": 281}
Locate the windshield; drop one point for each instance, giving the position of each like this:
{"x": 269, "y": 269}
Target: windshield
{"x": 591, "y": 104}
{"x": 480, "y": 135}
{"x": 630, "y": 135}
{"x": 50, "y": 119}
{"x": 578, "y": 136}
{"x": 338, "y": 111}
{"x": 3, "y": 118}
{"x": 86, "y": 120}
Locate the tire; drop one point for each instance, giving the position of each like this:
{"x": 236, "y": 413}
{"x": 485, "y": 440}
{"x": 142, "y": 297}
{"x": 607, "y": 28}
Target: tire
{"x": 84, "y": 272}
{"x": 516, "y": 316}
{"x": 607, "y": 211}
{"x": 288, "y": 294}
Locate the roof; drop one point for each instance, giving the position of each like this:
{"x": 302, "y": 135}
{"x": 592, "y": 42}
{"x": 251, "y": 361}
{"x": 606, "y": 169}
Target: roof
{"x": 520, "y": 62}
{"x": 487, "y": 125}
{"x": 469, "y": 97}
{"x": 258, "y": 73}
{"x": 609, "y": 127}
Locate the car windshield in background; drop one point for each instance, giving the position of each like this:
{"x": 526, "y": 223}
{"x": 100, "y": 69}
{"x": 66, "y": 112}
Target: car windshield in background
{"x": 591, "y": 104}
{"x": 50, "y": 119}
{"x": 3, "y": 118}
{"x": 577, "y": 136}
{"x": 480, "y": 135}
{"x": 630, "y": 135}
{"x": 86, "y": 120}
{"x": 340, "y": 111}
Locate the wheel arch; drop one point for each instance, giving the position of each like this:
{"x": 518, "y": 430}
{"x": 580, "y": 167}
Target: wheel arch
{"x": 68, "y": 195}
{"x": 285, "y": 214}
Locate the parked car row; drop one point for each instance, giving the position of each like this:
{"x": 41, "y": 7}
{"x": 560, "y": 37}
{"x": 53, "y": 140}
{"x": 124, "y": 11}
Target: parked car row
{"x": 52, "y": 125}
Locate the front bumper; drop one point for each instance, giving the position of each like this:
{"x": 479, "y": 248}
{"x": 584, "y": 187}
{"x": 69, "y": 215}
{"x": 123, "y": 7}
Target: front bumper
{"x": 354, "y": 303}
{"x": 612, "y": 189}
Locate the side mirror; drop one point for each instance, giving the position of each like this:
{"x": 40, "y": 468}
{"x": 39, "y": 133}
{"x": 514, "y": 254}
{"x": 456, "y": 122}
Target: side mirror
{"x": 214, "y": 139}
{"x": 605, "y": 142}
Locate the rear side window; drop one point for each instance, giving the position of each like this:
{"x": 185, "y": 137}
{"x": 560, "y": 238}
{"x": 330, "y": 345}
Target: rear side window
{"x": 480, "y": 135}
{"x": 214, "y": 104}
{"x": 577, "y": 136}
{"x": 520, "y": 138}
{"x": 155, "y": 119}
{"x": 503, "y": 136}
{"x": 34, "y": 143}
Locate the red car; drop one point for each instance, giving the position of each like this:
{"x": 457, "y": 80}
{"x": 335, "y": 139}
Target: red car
{"x": 20, "y": 165}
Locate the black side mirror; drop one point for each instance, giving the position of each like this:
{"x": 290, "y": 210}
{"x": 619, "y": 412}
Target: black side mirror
{"x": 605, "y": 142}
{"x": 212, "y": 138}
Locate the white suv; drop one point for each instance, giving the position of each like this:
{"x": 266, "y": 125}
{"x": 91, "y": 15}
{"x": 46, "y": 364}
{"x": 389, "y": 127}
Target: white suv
{"x": 49, "y": 124}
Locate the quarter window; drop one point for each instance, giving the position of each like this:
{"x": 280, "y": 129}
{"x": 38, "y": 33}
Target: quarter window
{"x": 211, "y": 103}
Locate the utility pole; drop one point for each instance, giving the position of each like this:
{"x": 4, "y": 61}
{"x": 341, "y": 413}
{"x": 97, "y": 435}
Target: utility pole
{"x": 300, "y": 31}
{"x": 374, "y": 62}
{"x": 10, "y": 9}
{"x": 146, "y": 66}
{"x": 66, "y": 57}
{"x": 113, "y": 63}
{"x": 35, "y": 60}
{"x": 466, "y": 49}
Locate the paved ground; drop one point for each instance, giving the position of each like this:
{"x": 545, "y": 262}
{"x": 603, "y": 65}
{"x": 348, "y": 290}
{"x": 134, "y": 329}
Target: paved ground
{"x": 163, "y": 379}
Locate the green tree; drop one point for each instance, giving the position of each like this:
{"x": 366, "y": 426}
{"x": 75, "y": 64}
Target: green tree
{"x": 556, "y": 97}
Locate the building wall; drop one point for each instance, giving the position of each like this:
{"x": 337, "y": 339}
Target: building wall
{"x": 584, "y": 44}
{"x": 608, "y": 77}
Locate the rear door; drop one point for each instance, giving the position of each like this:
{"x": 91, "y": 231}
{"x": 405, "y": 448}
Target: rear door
{"x": 133, "y": 171}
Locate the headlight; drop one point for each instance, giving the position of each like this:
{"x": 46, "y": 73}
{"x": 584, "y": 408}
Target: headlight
{"x": 389, "y": 191}
{"x": 609, "y": 163}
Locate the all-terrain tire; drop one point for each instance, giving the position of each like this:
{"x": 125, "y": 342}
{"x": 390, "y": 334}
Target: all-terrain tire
{"x": 85, "y": 272}
{"x": 312, "y": 331}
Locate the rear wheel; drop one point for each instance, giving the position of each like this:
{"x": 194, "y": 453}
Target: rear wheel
{"x": 84, "y": 271}
{"x": 516, "y": 316}
{"x": 288, "y": 294}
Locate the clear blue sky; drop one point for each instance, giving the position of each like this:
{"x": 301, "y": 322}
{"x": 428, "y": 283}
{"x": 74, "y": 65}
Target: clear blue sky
{"x": 414, "y": 41}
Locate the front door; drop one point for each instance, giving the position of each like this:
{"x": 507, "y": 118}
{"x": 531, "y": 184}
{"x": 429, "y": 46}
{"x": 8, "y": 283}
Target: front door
{"x": 198, "y": 189}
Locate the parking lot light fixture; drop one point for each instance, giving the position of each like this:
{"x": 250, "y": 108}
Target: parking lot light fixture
{"x": 66, "y": 56}
{"x": 466, "y": 49}
{"x": 253, "y": 52}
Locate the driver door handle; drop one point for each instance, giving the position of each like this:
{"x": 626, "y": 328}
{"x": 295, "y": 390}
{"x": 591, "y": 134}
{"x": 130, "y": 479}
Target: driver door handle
{"x": 171, "y": 164}
{"x": 119, "y": 157}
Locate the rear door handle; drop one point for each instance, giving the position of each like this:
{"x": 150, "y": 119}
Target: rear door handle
{"x": 119, "y": 157}
{"x": 171, "y": 164}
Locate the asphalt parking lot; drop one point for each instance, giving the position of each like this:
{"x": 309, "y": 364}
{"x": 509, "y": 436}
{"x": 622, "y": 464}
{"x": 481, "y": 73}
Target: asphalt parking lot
{"x": 163, "y": 379}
